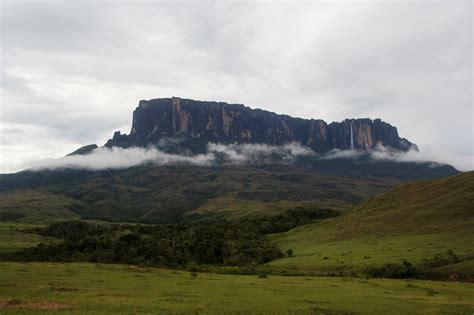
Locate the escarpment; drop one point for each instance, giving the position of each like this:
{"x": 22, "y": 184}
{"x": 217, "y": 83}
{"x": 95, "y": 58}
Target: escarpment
{"x": 219, "y": 122}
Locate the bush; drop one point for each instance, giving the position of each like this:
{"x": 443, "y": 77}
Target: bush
{"x": 10, "y": 215}
{"x": 289, "y": 252}
{"x": 394, "y": 271}
{"x": 441, "y": 260}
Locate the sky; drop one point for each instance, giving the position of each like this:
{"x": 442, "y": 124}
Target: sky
{"x": 72, "y": 72}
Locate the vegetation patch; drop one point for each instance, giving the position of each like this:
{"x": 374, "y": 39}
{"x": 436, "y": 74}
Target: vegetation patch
{"x": 220, "y": 243}
{"x": 34, "y": 305}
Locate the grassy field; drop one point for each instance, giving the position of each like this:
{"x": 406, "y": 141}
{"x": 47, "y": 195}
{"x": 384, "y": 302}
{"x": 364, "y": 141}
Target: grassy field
{"x": 15, "y": 236}
{"x": 89, "y": 288}
{"x": 355, "y": 255}
{"x": 412, "y": 222}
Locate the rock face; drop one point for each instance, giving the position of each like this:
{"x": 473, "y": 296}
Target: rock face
{"x": 84, "y": 150}
{"x": 228, "y": 123}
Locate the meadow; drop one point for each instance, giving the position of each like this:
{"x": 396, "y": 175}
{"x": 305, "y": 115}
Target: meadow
{"x": 95, "y": 288}
{"x": 413, "y": 222}
{"x": 15, "y": 236}
{"x": 355, "y": 255}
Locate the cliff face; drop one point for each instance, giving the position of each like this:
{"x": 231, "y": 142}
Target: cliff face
{"x": 227, "y": 123}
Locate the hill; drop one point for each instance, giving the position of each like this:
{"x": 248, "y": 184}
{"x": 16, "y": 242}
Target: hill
{"x": 414, "y": 221}
{"x": 163, "y": 194}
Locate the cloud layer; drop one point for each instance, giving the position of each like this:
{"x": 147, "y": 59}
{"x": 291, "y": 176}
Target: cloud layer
{"x": 73, "y": 71}
{"x": 117, "y": 158}
{"x": 381, "y": 153}
{"x": 232, "y": 154}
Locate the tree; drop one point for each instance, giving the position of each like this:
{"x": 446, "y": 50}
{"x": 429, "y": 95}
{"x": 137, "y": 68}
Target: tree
{"x": 289, "y": 252}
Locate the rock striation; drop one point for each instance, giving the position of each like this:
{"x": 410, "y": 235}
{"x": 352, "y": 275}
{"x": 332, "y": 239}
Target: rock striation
{"x": 219, "y": 122}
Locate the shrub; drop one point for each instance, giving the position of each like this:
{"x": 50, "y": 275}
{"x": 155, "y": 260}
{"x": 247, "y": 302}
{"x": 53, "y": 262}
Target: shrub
{"x": 394, "y": 271}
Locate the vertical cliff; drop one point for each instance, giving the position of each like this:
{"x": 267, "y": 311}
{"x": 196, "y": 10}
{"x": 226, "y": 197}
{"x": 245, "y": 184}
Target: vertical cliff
{"x": 227, "y": 123}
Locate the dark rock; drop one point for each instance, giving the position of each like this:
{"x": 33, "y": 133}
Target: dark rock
{"x": 163, "y": 118}
{"x": 84, "y": 150}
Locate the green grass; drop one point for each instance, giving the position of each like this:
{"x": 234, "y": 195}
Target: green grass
{"x": 89, "y": 288}
{"x": 15, "y": 236}
{"x": 465, "y": 268}
{"x": 355, "y": 255}
{"x": 37, "y": 206}
{"x": 412, "y": 222}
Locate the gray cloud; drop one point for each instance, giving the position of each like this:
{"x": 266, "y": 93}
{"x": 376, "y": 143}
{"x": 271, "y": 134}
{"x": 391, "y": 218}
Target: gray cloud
{"x": 72, "y": 72}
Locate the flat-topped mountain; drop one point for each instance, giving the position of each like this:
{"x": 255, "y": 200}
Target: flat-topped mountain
{"x": 154, "y": 192}
{"x": 162, "y": 118}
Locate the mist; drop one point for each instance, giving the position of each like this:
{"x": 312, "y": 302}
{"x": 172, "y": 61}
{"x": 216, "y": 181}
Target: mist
{"x": 382, "y": 153}
{"x": 119, "y": 158}
{"x": 227, "y": 154}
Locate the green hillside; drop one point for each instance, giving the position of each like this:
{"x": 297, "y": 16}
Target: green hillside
{"x": 36, "y": 206}
{"x": 164, "y": 194}
{"x": 412, "y": 222}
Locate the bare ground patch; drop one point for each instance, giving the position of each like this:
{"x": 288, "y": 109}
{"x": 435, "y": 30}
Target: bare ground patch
{"x": 34, "y": 305}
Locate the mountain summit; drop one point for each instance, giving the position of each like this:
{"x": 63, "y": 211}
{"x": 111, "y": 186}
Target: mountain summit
{"x": 163, "y": 118}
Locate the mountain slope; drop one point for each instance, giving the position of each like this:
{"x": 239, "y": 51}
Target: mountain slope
{"x": 413, "y": 221}
{"x": 161, "y": 194}
{"x": 36, "y": 206}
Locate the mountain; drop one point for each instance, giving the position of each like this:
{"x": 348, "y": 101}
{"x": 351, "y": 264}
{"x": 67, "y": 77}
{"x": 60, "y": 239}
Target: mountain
{"x": 413, "y": 222}
{"x": 205, "y": 122}
{"x": 154, "y": 193}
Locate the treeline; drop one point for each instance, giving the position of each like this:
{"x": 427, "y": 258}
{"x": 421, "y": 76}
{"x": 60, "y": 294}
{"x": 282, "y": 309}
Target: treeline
{"x": 290, "y": 219}
{"x": 198, "y": 240}
{"x": 425, "y": 270}
{"x": 220, "y": 243}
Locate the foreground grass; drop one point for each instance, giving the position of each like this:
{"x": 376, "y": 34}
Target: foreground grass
{"x": 89, "y": 288}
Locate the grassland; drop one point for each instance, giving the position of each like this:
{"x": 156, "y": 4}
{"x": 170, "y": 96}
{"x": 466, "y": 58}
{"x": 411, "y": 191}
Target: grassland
{"x": 412, "y": 222}
{"x": 89, "y": 288}
{"x": 15, "y": 236}
{"x": 37, "y": 206}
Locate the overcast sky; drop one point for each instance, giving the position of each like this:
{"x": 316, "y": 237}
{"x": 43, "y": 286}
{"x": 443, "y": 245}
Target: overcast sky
{"x": 73, "y": 71}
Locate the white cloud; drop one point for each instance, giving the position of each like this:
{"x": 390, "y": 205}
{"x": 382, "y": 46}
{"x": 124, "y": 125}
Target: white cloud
{"x": 232, "y": 154}
{"x": 381, "y": 153}
{"x": 117, "y": 158}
